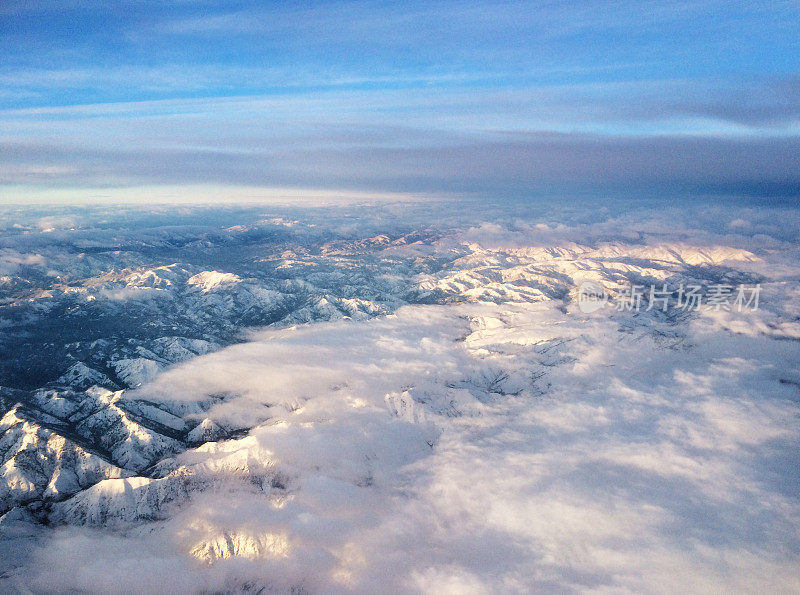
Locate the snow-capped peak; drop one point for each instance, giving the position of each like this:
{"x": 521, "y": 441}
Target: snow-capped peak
{"x": 208, "y": 280}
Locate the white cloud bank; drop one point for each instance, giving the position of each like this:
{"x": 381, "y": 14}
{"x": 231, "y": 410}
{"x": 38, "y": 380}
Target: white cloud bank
{"x": 566, "y": 457}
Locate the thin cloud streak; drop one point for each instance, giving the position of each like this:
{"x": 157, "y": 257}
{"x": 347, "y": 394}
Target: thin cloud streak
{"x": 768, "y": 103}
{"x": 532, "y": 163}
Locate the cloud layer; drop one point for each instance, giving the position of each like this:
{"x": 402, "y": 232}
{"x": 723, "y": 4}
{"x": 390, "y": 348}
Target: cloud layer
{"x": 493, "y": 98}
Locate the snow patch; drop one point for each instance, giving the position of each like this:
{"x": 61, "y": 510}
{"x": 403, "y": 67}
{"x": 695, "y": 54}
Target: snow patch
{"x": 210, "y": 280}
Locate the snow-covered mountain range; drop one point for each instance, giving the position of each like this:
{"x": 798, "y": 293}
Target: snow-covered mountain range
{"x": 397, "y": 398}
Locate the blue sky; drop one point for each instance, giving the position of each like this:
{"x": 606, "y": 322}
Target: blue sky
{"x": 517, "y": 99}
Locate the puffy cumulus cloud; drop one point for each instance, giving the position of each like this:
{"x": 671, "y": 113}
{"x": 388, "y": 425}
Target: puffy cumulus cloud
{"x": 11, "y": 260}
{"x": 54, "y": 223}
{"x": 313, "y": 368}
